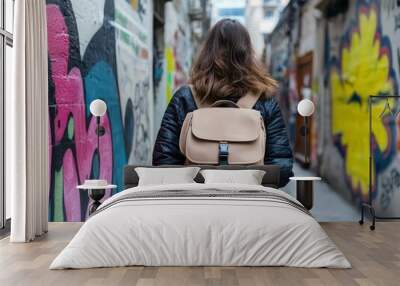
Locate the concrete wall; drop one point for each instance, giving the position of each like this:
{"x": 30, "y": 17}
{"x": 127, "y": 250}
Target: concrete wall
{"x": 97, "y": 49}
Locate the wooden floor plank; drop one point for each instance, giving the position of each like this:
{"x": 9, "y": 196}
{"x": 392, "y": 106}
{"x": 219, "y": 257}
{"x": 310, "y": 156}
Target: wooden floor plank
{"x": 375, "y": 257}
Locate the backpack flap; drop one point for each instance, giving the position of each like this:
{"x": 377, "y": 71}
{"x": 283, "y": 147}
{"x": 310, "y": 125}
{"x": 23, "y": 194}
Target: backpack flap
{"x": 226, "y": 124}
{"x": 223, "y": 135}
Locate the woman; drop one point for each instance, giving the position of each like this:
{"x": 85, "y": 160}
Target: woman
{"x": 226, "y": 68}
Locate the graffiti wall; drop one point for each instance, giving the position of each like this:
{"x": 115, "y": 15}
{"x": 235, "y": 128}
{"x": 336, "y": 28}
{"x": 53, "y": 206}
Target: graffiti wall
{"x": 177, "y": 47}
{"x": 364, "y": 60}
{"x": 177, "y": 55}
{"x": 97, "y": 49}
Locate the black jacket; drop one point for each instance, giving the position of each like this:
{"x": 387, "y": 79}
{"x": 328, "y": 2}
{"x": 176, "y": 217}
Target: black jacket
{"x": 166, "y": 148}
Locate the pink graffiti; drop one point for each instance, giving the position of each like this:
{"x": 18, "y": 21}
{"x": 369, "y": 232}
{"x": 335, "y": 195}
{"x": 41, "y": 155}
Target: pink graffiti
{"x": 70, "y": 105}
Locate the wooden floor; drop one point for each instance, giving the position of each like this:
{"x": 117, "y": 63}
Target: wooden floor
{"x": 375, "y": 257}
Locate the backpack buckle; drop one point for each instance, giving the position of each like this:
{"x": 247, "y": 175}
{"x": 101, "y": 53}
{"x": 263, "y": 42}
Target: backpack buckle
{"x": 223, "y": 153}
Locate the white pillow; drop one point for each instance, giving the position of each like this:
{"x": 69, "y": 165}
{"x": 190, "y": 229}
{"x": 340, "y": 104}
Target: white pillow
{"x": 165, "y": 176}
{"x": 248, "y": 177}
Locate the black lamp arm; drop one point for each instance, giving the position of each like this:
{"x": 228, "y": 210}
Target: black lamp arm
{"x": 305, "y": 131}
{"x": 100, "y": 130}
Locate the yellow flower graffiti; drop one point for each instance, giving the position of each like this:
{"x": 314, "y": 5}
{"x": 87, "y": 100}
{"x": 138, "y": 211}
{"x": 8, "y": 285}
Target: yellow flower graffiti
{"x": 170, "y": 70}
{"x": 365, "y": 70}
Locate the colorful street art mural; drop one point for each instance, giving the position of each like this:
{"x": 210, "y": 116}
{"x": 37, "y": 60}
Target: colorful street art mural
{"x": 364, "y": 69}
{"x": 97, "y": 49}
{"x": 356, "y": 53}
{"x": 365, "y": 66}
{"x": 176, "y": 57}
{"x": 178, "y": 51}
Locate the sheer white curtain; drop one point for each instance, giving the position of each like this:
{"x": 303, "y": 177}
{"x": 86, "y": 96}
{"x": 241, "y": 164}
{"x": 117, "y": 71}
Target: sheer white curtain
{"x": 27, "y": 123}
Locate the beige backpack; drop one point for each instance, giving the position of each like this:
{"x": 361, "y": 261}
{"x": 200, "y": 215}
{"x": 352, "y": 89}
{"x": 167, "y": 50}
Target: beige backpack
{"x": 224, "y": 133}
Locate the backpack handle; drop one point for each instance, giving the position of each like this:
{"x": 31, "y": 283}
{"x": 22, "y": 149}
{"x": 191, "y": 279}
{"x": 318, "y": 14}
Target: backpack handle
{"x": 246, "y": 101}
{"x": 224, "y": 103}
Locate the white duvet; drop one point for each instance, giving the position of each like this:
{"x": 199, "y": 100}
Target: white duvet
{"x": 200, "y": 231}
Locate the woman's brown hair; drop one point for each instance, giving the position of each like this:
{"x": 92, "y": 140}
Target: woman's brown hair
{"x": 227, "y": 67}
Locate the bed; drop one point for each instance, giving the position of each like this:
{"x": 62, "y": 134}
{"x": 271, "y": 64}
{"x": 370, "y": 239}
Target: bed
{"x": 199, "y": 224}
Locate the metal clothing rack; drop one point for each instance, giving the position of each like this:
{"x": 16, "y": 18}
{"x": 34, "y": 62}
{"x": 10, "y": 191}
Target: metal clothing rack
{"x": 368, "y": 205}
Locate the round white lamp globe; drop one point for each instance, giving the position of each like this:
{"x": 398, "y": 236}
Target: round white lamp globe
{"x": 98, "y": 107}
{"x": 305, "y": 107}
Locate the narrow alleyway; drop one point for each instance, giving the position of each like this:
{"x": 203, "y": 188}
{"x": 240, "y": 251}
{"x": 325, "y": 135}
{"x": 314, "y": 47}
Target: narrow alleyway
{"x": 328, "y": 204}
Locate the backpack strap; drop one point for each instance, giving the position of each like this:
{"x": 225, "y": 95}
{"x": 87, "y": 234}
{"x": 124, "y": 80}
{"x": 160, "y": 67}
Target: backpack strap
{"x": 249, "y": 100}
